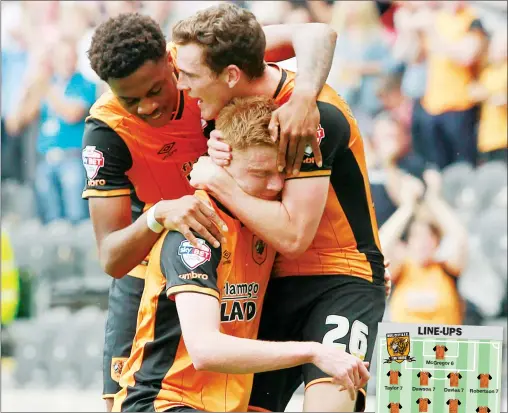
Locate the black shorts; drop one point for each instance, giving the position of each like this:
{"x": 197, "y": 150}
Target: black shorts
{"x": 336, "y": 309}
{"x": 124, "y": 300}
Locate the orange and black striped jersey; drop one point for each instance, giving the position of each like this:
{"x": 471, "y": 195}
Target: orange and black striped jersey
{"x": 424, "y": 377}
{"x": 159, "y": 373}
{"x": 124, "y": 156}
{"x": 347, "y": 240}
{"x": 454, "y": 379}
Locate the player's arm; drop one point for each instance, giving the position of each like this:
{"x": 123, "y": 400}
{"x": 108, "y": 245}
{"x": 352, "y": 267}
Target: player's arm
{"x": 390, "y": 233}
{"x": 453, "y": 251}
{"x": 296, "y": 122}
{"x": 123, "y": 244}
{"x": 198, "y": 306}
{"x": 313, "y": 44}
{"x": 288, "y": 225}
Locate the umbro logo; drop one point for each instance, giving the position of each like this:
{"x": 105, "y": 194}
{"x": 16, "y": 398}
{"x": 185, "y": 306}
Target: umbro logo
{"x": 167, "y": 150}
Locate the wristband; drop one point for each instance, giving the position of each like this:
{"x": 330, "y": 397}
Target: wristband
{"x": 152, "y": 222}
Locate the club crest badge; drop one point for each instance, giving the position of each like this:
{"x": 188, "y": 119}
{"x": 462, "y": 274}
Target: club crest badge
{"x": 259, "y": 250}
{"x": 398, "y": 346}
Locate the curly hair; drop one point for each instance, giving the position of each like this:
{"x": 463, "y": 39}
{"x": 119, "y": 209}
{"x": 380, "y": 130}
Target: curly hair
{"x": 229, "y": 35}
{"x": 122, "y": 44}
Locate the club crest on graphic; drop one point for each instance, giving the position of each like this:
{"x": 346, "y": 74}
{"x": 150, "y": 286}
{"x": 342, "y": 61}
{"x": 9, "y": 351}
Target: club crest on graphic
{"x": 193, "y": 256}
{"x": 259, "y": 251}
{"x": 117, "y": 365}
{"x": 398, "y": 346}
{"x": 93, "y": 160}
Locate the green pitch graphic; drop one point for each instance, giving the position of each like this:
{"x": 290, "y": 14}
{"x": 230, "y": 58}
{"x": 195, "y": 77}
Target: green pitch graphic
{"x": 438, "y": 369}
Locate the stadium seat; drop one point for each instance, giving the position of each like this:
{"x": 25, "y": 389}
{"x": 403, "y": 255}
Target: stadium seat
{"x": 89, "y": 333}
{"x": 10, "y": 189}
{"x": 487, "y": 294}
{"x": 490, "y": 185}
{"x": 456, "y": 177}
{"x": 86, "y": 249}
{"x": 494, "y": 239}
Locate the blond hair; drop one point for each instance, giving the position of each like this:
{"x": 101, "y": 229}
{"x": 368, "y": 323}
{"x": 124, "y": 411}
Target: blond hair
{"x": 244, "y": 122}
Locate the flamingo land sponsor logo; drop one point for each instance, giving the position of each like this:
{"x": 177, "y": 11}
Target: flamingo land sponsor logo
{"x": 93, "y": 160}
{"x": 193, "y": 256}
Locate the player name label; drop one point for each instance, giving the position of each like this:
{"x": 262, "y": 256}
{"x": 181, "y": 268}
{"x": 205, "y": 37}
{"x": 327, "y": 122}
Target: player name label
{"x": 439, "y": 369}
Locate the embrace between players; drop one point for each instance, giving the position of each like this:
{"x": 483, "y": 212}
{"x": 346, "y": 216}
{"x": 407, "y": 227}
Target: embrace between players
{"x": 228, "y": 297}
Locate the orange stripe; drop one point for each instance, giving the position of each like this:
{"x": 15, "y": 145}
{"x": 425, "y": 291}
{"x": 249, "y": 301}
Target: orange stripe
{"x": 138, "y": 271}
{"x": 94, "y": 193}
{"x": 257, "y": 409}
{"x": 311, "y": 174}
{"x": 317, "y": 381}
{"x": 108, "y": 396}
{"x": 191, "y": 289}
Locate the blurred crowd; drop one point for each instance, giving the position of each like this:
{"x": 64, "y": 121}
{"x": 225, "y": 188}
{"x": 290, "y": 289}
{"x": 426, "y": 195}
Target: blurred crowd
{"x": 426, "y": 80}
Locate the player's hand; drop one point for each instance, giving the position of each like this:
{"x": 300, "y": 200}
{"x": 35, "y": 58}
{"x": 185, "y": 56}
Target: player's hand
{"x": 207, "y": 175}
{"x": 388, "y": 282}
{"x": 433, "y": 181}
{"x": 295, "y": 124}
{"x": 347, "y": 371}
{"x": 411, "y": 190}
{"x": 188, "y": 214}
{"x": 219, "y": 151}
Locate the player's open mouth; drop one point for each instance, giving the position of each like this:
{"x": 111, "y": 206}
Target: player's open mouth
{"x": 157, "y": 115}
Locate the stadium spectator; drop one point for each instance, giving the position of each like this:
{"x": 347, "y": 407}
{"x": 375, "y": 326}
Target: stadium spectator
{"x": 425, "y": 267}
{"x": 455, "y": 42}
{"x": 58, "y": 98}
{"x": 389, "y": 156}
{"x": 362, "y": 54}
{"x": 15, "y": 57}
{"x": 410, "y": 19}
{"x": 491, "y": 91}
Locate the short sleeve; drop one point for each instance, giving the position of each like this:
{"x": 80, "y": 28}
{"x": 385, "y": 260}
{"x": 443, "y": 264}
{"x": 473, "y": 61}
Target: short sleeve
{"x": 106, "y": 159}
{"x": 479, "y": 375}
{"x": 428, "y": 401}
{"x": 187, "y": 268}
{"x": 490, "y": 377}
{"x": 449, "y": 375}
{"x": 460, "y": 376}
{"x": 333, "y": 136}
{"x": 430, "y": 375}
{"x": 434, "y": 349}
{"x": 418, "y": 401}
{"x": 388, "y": 373}
{"x": 446, "y": 348}
{"x": 400, "y": 374}
{"x": 418, "y": 375}
{"x": 448, "y": 402}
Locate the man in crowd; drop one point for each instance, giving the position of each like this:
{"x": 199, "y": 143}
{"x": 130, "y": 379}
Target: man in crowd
{"x": 195, "y": 346}
{"x": 139, "y": 146}
{"x": 328, "y": 284}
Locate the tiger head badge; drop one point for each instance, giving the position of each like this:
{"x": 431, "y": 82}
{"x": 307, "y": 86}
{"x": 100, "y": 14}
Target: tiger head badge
{"x": 398, "y": 346}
